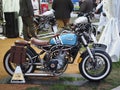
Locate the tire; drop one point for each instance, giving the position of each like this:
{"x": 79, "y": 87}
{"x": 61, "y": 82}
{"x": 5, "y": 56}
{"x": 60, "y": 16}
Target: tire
{"x": 95, "y": 71}
{"x": 10, "y": 66}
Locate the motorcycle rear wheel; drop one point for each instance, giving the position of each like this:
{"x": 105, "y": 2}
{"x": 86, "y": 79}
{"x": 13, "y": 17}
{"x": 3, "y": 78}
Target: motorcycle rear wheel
{"x": 10, "y": 66}
{"x": 98, "y": 70}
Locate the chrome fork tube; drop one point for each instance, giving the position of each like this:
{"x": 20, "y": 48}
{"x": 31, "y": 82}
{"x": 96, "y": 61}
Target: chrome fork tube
{"x": 88, "y": 49}
{"x": 90, "y": 53}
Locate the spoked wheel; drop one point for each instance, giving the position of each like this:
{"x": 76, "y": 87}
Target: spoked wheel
{"x": 26, "y": 66}
{"x": 98, "y": 69}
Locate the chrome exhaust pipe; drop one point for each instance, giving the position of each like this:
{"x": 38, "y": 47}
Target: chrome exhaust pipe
{"x": 39, "y": 75}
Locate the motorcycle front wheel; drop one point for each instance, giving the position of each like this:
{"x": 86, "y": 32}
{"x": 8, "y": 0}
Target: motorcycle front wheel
{"x": 26, "y": 66}
{"x": 98, "y": 69}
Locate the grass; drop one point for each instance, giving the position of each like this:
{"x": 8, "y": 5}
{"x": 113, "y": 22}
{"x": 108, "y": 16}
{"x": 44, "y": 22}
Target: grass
{"x": 112, "y": 81}
{"x": 63, "y": 87}
{"x": 114, "y": 77}
{"x": 33, "y": 88}
{"x": 54, "y": 87}
{"x": 70, "y": 79}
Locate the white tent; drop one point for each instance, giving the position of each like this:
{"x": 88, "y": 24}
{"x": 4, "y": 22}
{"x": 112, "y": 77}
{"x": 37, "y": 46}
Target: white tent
{"x": 110, "y": 35}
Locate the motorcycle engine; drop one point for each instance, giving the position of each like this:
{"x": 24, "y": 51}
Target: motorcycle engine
{"x": 58, "y": 62}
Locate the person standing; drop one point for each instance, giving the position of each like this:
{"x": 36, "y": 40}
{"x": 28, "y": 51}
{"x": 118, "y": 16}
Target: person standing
{"x": 62, "y": 9}
{"x": 26, "y": 12}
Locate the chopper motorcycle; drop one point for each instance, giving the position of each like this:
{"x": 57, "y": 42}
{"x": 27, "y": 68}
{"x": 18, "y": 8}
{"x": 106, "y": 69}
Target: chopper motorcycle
{"x": 61, "y": 50}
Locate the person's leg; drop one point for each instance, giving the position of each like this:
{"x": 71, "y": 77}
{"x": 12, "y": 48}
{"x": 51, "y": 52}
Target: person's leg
{"x": 66, "y": 22}
{"x": 25, "y": 29}
{"x": 60, "y": 23}
{"x": 31, "y": 27}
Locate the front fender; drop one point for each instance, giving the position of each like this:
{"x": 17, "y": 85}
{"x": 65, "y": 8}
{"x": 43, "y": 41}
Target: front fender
{"x": 99, "y": 46}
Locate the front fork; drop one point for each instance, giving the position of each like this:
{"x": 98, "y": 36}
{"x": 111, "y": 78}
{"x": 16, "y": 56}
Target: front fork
{"x": 87, "y": 47}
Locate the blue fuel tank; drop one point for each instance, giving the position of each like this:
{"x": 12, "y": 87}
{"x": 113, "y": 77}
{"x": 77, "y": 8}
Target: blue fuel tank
{"x": 65, "y": 39}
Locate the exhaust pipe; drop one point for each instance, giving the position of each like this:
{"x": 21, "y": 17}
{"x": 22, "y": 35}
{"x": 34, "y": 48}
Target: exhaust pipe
{"x": 39, "y": 75}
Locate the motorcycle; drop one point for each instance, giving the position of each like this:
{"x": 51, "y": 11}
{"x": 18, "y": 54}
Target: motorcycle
{"x": 61, "y": 50}
{"x": 45, "y": 22}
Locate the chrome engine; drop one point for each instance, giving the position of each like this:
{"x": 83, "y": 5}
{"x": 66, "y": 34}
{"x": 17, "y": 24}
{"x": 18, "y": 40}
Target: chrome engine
{"x": 57, "y": 62}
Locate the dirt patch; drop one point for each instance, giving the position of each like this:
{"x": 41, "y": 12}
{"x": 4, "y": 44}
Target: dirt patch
{"x": 16, "y": 86}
